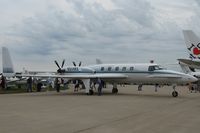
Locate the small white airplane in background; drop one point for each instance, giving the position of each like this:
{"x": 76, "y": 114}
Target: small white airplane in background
{"x": 8, "y": 72}
{"x": 143, "y": 73}
{"x": 7, "y": 66}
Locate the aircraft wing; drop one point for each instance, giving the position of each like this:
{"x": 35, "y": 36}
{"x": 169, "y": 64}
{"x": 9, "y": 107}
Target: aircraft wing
{"x": 164, "y": 76}
{"x": 190, "y": 63}
{"x": 76, "y": 76}
{"x": 14, "y": 80}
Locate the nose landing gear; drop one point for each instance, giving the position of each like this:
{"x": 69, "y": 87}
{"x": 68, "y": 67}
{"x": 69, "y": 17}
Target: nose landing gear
{"x": 174, "y": 93}
{"x": 114, "y": 90}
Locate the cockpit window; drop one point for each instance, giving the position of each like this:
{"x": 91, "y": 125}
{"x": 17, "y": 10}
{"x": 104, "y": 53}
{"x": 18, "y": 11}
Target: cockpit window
{"x": 152, "y": 68}
{"x": 160, "y": 68}
{"x": 156, "y": 68}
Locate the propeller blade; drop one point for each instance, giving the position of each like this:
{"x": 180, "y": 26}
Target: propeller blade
{"x": 74, "y": 63}
{"x": 79, "y": 64}
{"x": 63, "y": 63}
{"x": 57, "y": 64}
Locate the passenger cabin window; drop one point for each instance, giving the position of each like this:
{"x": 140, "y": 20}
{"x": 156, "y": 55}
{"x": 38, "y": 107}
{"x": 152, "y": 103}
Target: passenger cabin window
{"x": 109, "y": 68}
{"x": 116, "y": 68}
{"x": 102, "y": 68}
{"x": 131, "y": 68}
{"x": 123, "y": 68}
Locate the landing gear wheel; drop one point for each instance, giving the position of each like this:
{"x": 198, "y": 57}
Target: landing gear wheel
{"x": 114, "y": 90}
{"x": 91, "y": 92}
{"x": 174, "y": 93}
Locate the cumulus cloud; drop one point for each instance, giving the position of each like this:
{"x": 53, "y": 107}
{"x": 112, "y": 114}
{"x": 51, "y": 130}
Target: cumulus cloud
{"x": 90, "y": 22}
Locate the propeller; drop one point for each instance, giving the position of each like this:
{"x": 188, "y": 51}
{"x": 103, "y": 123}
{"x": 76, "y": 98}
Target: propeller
{"x": 63, "y": 63}
{"x": 78, "y": 64}
{"x": 60, "y": 69}
{"x": 74, "y": 63}
{"x": 57, "y": 64}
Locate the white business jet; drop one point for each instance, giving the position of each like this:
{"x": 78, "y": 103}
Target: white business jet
{"x": 149, "y": 73}
{"x": 144, "y": 73}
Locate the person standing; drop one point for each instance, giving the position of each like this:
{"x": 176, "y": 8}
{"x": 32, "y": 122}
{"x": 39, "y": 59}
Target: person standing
{"x": 156, "y": 87}
{"x": 100, "y": 86}
{"x": 3, "y": 82}
{"x": 57, "y": 85}
{"x": 77, "y": 85}
{"x": 39, "y": 87}
{"x": 29, "y": 84}
{"x": 140, "y": 87}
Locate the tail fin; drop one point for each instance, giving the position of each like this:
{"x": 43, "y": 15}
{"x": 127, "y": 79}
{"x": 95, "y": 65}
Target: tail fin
{"x": 98, "y": 61}
{"x": 192, "y": 42}
{"x": 7, "y": 64}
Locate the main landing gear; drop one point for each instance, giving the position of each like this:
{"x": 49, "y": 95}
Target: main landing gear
{"x": 91, "y": 92}
{"x": 140, "y": 87}
{"x": 114, "y": 90}
{"x": 174, "y": 93}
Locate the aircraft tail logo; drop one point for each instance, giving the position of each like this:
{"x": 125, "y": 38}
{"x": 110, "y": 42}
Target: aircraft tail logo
{"x": 192, "y": 42}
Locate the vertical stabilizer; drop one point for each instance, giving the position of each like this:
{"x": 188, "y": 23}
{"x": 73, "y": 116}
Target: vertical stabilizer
{"x": 192, "y": 42}
{"x": 8, "y": 69}
{"x": 98, "y": 61}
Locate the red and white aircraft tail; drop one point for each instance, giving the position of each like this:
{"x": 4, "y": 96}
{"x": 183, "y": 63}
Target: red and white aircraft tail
{"x": 192, "y": 42}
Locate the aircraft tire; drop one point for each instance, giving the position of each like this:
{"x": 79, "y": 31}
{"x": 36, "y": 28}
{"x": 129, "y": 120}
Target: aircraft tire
{"x": 114, "y": 90}
{"x": 91, "y": 92}
{"x": 174, "y": 93}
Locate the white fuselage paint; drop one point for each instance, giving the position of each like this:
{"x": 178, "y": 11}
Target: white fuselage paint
{"x": 138, "y": 74}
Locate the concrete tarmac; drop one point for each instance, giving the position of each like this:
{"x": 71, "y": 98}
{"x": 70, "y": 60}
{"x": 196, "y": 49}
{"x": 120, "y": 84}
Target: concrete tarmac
{"x": 129, "y": 111}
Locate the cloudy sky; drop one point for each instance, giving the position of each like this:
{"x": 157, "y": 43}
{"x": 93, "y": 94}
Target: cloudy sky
{"x": 126, "y": 31}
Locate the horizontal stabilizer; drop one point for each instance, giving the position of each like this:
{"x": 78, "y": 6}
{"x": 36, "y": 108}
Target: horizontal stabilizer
{"x": 190, "y": 63}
